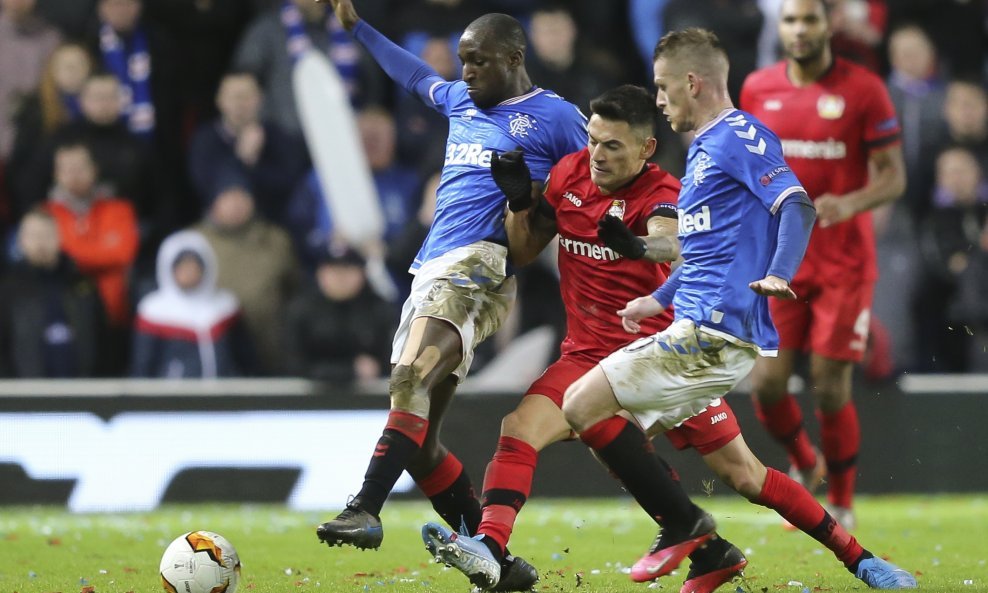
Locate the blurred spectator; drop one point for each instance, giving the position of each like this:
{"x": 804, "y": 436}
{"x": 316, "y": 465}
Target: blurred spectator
{"x": 277, "y": 38}
{"x": 557, "y": 62}
{"x": 256, "y": 263}
{"x": 422, "y": 130}
{"x": 52, "y": 322}
{"x": 73, "y": 18}
{"x": 950, "y": 234}
{"x": 738, "y": 24}
{"x": 55, "y": 103}
{"x": 26, "y": 41}
{"x": 647, "y": 26}
{"x": 957, "y": 28}
{"x": 965, "y": 112}
{"x": 917, "y": 91}
{"x": 124, "y": 162}
{"x": 311, "y": 222}
{"x": 340, "y": 331}
{"x": 405, "y": 243}
{"x": 859, "y": 28}
{"x": 143, "y": 59}
{"x": 98, "y": 232}
{"x": 188, "y": 328}
{"x": 269, "y": 160}
{"x": 205, "y": 34}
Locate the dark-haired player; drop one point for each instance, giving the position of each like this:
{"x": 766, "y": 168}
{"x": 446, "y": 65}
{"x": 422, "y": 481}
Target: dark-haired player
{"x": 840, "y": 135}
{"x": 615, "y": 215}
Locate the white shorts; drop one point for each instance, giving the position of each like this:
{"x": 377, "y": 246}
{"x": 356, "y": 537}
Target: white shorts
{"x": 673, "y": 375}
{"x": 468, "y": 288}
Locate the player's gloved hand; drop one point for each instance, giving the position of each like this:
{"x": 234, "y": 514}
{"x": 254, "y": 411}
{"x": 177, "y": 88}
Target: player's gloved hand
{"x": 512, "y": 177}
{"x": 616, "y": 235}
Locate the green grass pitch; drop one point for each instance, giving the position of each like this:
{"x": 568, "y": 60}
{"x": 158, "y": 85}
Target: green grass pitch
{"x": 578, "y": 545}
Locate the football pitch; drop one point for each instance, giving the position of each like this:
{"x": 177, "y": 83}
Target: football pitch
{"x": 583, "y": 545}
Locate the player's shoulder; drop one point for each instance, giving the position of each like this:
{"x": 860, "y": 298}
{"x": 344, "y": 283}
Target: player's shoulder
{"x": 549, "y": 102}
{"x": 854, "y": 80}
{"x": 656, "y": 179}
{"x": 767, "y": 78}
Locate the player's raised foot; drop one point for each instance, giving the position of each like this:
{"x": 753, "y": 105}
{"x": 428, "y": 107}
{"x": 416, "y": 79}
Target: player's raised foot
{"x": 882, "y": 574}
{"x": 470, "y": 556}
{"x": 670, "y": 547}
{"x": 516, "y": 575}
{"x": 705, "y": 577}
{"x": 354, "y": 527}
{"x": 844, "y": 516}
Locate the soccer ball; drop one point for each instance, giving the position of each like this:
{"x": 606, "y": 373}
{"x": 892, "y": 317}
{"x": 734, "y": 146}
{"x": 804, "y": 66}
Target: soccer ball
{"x": 200, "y": 562}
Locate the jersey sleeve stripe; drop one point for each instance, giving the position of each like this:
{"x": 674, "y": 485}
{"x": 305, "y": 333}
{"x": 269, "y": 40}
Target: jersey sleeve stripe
{"x": 883, "y": 141}
{"x": 432, "y": 92}
{"x": 785, "y": 194}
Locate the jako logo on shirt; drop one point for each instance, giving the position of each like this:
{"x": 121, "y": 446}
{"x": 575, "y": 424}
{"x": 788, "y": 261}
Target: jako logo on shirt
{"x": 572, "y": 198}
{"x": 467, "y": 154}
{"x": 694, "y": 222}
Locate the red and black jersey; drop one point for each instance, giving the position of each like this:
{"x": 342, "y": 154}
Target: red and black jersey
{"x": 827, "y": 130}
{"x": 594, "y": 280}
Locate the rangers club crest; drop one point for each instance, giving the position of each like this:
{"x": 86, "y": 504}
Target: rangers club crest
{"x": 520, "y": 123}
{"x": 616, "y": 209}
{"x": 830, "y": 106}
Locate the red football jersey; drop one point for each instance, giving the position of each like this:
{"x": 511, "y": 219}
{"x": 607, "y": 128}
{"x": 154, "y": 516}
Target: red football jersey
{"x": 594, "y": 280}
{"x": 827, "y": 130}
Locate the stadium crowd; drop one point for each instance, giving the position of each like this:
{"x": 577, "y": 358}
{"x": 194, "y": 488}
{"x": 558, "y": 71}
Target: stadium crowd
{"x": 162, "y": 217}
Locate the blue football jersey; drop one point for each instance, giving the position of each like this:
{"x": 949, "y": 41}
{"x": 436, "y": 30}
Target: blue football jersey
{"x": 736, "y": 180}
{"x": 469, "y": 206}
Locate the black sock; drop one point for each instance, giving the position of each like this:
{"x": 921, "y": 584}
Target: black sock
{"x": 391, "y": 457}
{"x": 853, "y": 567}
{"x": 711, "y": 552}
{"x": 631, "y": 458}
{"x": 458, "y": 505}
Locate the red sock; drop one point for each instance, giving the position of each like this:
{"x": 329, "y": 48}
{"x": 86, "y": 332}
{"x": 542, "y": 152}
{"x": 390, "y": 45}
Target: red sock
{"x": 840, "y": 436}
{"x": 781, "y": 494}
{"x": 784, "y": 421}
{"x": 451, "y": 492}
{"x": 507, "y": 484}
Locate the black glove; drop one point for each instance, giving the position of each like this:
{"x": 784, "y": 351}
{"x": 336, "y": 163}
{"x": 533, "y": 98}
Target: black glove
{"x": 511, "y": 175}
{"x": 616, "y": 235}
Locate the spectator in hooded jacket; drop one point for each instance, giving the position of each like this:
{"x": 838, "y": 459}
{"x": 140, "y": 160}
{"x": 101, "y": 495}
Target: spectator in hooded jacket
{"x": 188, "y": 328}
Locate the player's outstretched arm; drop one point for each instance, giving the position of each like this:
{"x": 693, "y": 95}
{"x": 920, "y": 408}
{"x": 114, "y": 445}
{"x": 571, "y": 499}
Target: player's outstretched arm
{"x": 345, "y": 12}
{"x": 409, "y": 71}
{"x": 796, "y": 216}
{"x": 639, "y": 309}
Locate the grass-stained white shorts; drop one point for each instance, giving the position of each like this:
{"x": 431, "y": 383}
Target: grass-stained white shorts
{"x": 673, "y": 375}
{"x": 468, "y": 287}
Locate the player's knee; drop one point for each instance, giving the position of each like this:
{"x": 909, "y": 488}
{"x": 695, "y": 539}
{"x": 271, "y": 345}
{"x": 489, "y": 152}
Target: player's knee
{"x": 742, "y": 480}
{"x": 574, "y": 409}
{"x": 768, "y": 388}
{"x": 408, "y": 393}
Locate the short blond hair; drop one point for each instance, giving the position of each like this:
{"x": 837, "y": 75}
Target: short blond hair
{"x": 694, "y": 49}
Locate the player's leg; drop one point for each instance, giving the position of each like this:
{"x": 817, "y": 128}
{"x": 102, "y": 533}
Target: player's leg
{"x": 775, "y": 407}
{"x": 439, "y": 474}
{"x": 738, "y": 467}
{"x": 839, "y": 334}
{"x": 431, "y": 352}
{"x": 591, "y": 408}
{"x": 840, "y": 432}
{"x": 533, "y": 425}
{"x": 536, "y": 423}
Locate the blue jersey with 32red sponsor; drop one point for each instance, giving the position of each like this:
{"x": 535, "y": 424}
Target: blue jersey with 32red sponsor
{"x": 469, "y": 206}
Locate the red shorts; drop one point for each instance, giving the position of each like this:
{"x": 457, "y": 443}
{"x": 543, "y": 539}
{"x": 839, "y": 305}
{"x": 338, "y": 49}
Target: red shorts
{"x": 827, "y": 319}
{"x": 706, "y": 432}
